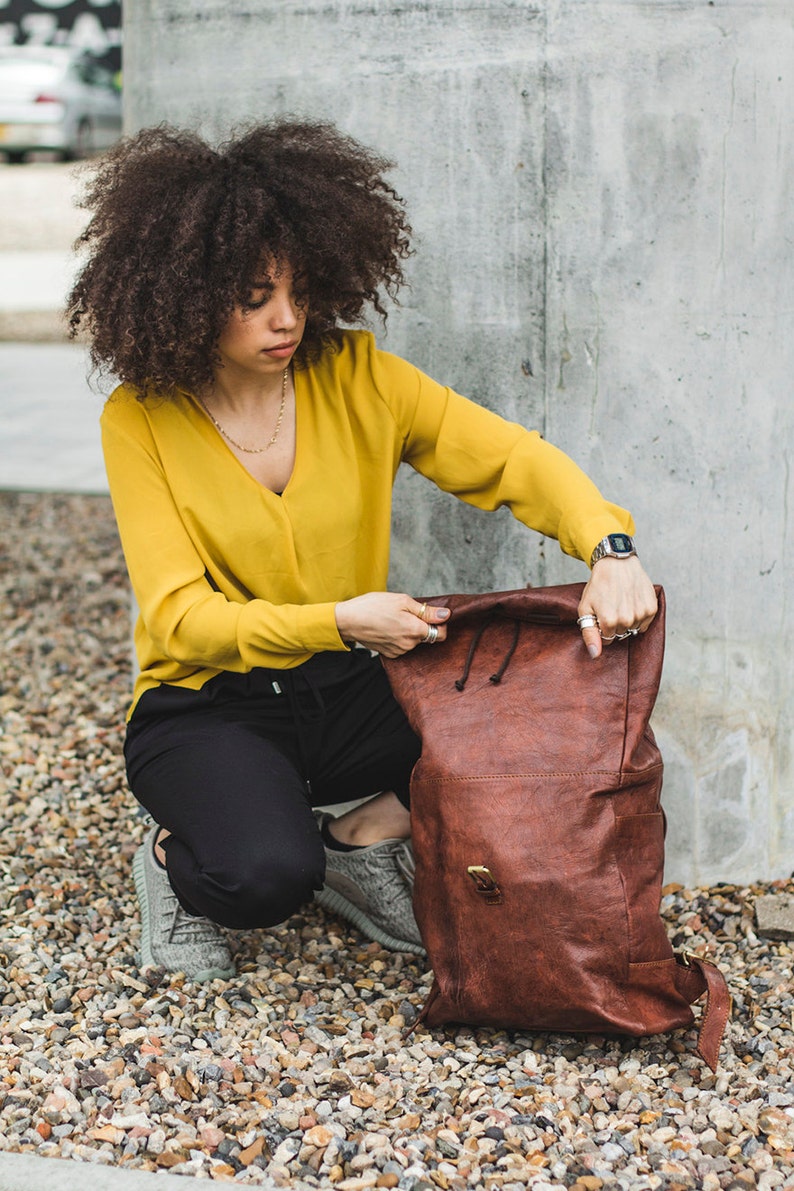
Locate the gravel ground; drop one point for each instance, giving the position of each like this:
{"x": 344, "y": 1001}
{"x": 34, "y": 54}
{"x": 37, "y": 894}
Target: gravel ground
{"x": 298, "y": 1071}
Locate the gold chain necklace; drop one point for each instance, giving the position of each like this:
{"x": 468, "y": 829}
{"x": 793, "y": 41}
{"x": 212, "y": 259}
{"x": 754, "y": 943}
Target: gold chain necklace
{"x": 274, "y": 435}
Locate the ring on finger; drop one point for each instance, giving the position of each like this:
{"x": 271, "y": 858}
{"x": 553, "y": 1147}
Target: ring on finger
{"x": 422, "y": 611}
{"x": 588, "y": 621}
{"x": 432, "y": 635}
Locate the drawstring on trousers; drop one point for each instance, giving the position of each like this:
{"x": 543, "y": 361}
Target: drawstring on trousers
{"x": 497, "y": 677}
{"x": 303, "y": 718}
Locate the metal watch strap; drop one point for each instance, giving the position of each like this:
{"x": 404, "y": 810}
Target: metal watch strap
{"x": 605, "y": 549}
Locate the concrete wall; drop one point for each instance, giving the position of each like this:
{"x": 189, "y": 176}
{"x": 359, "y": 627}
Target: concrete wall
{"x": 601, "y": 191}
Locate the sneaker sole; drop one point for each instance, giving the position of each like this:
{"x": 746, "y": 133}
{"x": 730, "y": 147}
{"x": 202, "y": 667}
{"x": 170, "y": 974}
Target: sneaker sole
{"x": 147, "y": 959}
{"x": 330, "y": 899}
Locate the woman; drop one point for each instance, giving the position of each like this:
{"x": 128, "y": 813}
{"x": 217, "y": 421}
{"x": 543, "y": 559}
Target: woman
{"x": 251, "y": 450}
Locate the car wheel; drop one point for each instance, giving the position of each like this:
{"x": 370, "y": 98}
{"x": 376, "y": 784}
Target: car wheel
{"x": 15, "y": 156}
{"x": 83, "y": 143}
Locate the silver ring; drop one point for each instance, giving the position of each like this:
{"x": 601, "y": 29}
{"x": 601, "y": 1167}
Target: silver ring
{"x": 588, "y": 621}
{"x": 432, "y": 635}
{"x": 624, "y": 636}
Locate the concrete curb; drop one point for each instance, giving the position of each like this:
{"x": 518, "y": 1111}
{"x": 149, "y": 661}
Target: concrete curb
{"x": 28, "y": 1172}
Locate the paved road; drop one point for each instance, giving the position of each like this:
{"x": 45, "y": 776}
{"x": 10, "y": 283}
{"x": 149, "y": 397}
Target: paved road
{"x": 40, "y": 223}
{"x": 49, "y": 432}
{"x": 35, "y": 280}
{"x": 49, "y": 438}
{"x": 39, "y": 208}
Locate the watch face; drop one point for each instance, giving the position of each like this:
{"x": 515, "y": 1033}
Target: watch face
{"x": 621, "y": 542}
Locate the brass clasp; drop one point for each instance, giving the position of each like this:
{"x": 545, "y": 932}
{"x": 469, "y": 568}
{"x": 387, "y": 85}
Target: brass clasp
{"x": 486, "y": 884}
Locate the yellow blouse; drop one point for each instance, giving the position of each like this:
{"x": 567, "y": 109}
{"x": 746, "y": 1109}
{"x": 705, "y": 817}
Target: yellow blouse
{"x": 229, "y": 576}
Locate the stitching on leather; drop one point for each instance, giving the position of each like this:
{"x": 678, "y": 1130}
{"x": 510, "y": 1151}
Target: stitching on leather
{"x": 489, "y": 777}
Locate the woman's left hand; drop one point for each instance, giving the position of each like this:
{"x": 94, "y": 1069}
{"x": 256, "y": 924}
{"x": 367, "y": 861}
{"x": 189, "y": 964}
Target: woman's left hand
{"x": 621, "y": 597}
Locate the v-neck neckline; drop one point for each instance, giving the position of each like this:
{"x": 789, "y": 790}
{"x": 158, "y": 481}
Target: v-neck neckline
{"x": 207, "y": 421}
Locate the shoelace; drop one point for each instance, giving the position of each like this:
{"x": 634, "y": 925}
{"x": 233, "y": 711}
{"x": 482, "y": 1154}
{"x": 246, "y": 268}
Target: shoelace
{"x": 186, "y": 928}
{"x": 392, "y": 876}
{"x": 406, "y": 862}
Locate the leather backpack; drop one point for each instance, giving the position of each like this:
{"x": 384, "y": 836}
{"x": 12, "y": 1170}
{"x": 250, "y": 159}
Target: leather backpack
{"x": 537, "y": 826}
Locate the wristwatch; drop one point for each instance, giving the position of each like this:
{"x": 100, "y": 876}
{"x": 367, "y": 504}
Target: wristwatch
{"x": 614, "y": 545}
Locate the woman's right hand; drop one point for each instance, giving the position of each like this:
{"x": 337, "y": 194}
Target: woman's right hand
{"x": 389, "y": 623}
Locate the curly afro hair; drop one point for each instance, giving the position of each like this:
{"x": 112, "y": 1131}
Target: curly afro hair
{"x": 180, "y": 231}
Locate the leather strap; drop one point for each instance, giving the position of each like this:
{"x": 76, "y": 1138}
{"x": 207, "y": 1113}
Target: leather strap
{"x": 696, "y": 976}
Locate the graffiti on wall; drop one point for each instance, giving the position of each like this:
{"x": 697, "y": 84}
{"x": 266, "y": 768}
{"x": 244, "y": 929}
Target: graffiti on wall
{"x": 93, "y": 25}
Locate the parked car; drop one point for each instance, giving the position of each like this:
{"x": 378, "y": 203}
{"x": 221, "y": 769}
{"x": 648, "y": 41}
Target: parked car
{"x": 56, "y": 98}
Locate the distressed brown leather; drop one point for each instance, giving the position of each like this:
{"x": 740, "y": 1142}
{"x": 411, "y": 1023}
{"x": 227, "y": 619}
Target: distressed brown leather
{"x": 539, "y": 766}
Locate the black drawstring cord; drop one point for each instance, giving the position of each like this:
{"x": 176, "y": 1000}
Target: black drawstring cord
{"x": 475, "y": 641}
{"x": 303, "y": 719}
{"x": 497, "y": 677}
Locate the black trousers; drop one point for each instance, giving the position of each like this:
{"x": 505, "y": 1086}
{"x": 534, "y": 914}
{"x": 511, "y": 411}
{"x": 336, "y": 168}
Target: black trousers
{"x": 234, "y": 769}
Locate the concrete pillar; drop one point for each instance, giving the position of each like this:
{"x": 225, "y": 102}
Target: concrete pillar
{"x": 601, "y": 194}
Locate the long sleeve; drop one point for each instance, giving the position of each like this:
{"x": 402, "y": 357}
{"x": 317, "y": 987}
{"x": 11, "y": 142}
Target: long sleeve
{"x": 489, "y": 462}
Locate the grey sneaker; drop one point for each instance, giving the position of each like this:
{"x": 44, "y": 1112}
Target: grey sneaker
{"x": 170, "y": 937}
{"x": 372, "y": 888}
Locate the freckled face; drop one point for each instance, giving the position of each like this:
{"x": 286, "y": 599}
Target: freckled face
{"x": 263, "y": 336}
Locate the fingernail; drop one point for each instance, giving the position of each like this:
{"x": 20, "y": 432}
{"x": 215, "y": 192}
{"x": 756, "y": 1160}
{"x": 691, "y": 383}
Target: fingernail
{"x": 593, "y": 651}
{"x": 442, "y": 613}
